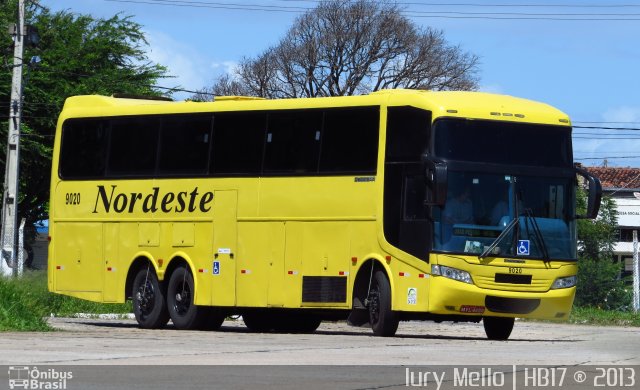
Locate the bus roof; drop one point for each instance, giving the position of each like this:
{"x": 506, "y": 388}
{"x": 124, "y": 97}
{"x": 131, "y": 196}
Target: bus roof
{"x": 462, "y": 104}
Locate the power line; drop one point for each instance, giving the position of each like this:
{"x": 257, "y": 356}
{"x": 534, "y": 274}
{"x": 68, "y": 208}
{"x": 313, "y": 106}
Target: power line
{"x": 612, "y": 138}
{"x": 229, "y": 6}
{"x": 605, "y": 158}
{"x": 181, "y": 90}
{"x": 430, "y": 4}
{"x": 412, "y": 13}
{"x": 604, "y": 154}
{"x": 98, "y": 76}
{"x": 532, "y": 5}
{"x": 604, "y": 134}
{"x": 608, "y": 128}
{"x": 595, "y": 122}
{"x": 518, "y": 13}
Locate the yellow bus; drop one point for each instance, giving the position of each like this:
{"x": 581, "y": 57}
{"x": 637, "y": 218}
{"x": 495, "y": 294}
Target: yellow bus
{"x": 397, "y": 205}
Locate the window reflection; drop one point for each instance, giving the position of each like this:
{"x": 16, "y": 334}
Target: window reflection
{"x": 480, "y": 206}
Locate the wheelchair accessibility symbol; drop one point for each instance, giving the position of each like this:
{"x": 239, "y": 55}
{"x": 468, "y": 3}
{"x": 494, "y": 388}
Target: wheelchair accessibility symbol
{"x": 216, "y": 268}
{"x": 523, "y": 247}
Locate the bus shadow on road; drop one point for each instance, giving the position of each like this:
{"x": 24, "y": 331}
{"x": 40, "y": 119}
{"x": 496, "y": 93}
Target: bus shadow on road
{"x": 441, "y": 337}
{"x": 359, "y": 332}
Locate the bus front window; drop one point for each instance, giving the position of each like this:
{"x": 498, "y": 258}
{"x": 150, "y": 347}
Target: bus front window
{"x": 512, "y": 216}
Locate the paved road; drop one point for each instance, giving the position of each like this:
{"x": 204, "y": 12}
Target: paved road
{"x": 120, "y": 342}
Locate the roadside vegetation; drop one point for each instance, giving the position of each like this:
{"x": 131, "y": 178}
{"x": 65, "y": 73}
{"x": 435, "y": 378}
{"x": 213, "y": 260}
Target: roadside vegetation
{"x": 603, "y": 294}
{"x": 25, "y": 304}
{"x": 596, "y": 316}
{"x": 21, "y": 305}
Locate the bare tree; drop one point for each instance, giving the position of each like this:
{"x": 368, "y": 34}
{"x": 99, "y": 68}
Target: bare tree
{"x": 353, "y": 47}
{"x": 225, "y": 85}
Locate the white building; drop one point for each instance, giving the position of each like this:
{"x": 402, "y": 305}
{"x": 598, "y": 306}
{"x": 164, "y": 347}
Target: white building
{"x": 623, "y": 185}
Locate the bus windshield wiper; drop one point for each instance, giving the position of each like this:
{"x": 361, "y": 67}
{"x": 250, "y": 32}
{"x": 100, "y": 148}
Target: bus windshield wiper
{"x": 497, "y": 241}
{"x": 537, "y": 233}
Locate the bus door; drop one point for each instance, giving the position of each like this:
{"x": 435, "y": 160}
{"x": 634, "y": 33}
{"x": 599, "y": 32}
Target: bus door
{"x": 225, "y": 236}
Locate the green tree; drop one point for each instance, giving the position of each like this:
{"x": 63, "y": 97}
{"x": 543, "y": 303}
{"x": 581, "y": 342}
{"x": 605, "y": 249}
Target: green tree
{"x": 597, "y": 236}
{"x": 79, "y": 54}
{"x": 598, "y": 282}
{"x": 345, "y": 47}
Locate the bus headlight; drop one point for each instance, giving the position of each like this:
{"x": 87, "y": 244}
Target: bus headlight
{"x": 451, "y": 273}
{"x": 566, "y": 282}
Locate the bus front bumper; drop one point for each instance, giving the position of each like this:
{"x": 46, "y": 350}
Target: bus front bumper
{"x": 451, "y": 297}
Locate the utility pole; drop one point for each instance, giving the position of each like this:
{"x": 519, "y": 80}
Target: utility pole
{"x": 636, "y": 274}
{"x": 8, "y": 262}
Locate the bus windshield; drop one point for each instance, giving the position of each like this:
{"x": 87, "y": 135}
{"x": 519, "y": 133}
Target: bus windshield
{"x": 506, "y": 215}
{"x": 499, "y": 142}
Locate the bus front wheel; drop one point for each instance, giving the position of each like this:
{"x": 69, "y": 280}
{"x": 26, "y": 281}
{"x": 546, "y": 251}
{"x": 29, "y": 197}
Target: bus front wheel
{"x": 182, "y": 309}
{"x": 384, "y": 321}
{"x": 498, "y": 328}
{"x": 149, "y": 305}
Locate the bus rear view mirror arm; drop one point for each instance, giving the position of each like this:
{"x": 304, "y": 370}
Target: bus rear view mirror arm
{"x": 436, "y": 172}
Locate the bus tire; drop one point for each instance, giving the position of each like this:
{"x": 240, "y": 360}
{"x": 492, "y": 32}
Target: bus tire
{"x": 384, "y": 321}
{"x": 149, "y": 305}
{"x": 498, "y": 328}
{"x": 182, "y": 309}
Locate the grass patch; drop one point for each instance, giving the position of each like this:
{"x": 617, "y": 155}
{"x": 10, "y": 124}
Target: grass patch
{"x": 64, "y": 306}
{"x": 22, "y": 307}
{"x": 25, "y": 303}
{"x": 595, "y": 316}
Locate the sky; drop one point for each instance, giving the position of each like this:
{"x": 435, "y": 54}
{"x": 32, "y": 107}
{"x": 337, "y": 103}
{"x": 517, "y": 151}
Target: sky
{"x": 580, "y": 56}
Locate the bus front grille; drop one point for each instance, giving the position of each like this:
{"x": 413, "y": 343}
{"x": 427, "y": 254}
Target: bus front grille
{"x": 506, "y": 282}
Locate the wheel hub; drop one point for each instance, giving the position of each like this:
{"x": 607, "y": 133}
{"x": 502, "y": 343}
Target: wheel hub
{"x": 374, "y": 306}
{"x": 145, "y": 297}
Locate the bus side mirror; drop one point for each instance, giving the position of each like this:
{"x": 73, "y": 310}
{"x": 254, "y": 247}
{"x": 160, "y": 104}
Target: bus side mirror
{"x": 436, "y": 172}
{"x": 594, "y": 196}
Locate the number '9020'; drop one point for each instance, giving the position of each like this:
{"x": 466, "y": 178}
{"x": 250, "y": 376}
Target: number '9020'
{"x": 72, "y": 198}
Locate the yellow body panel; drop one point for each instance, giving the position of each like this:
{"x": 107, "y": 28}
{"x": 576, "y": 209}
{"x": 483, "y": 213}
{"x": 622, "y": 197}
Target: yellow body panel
{"x": 262, "y": 236}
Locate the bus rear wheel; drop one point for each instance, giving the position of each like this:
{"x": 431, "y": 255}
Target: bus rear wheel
{"x": 498, "y": 328}
{"x": 180, "y": 294}
{"x": 384, "y": 321}
{"x": 148, "y": 298}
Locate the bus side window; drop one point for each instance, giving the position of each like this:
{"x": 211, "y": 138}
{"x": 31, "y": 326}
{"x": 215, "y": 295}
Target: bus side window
{"x": 184, "y": 144}
{"x": 133, "y": 146}
{"x": 350, "y": 140}
{"x": 83, "y": 148}
{"x": 238, "y": 143}
{"x": 293, "y": 142}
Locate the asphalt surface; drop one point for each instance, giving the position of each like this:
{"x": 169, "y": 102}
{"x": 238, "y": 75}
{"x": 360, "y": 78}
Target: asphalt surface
{"x": 121, "y": 342}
